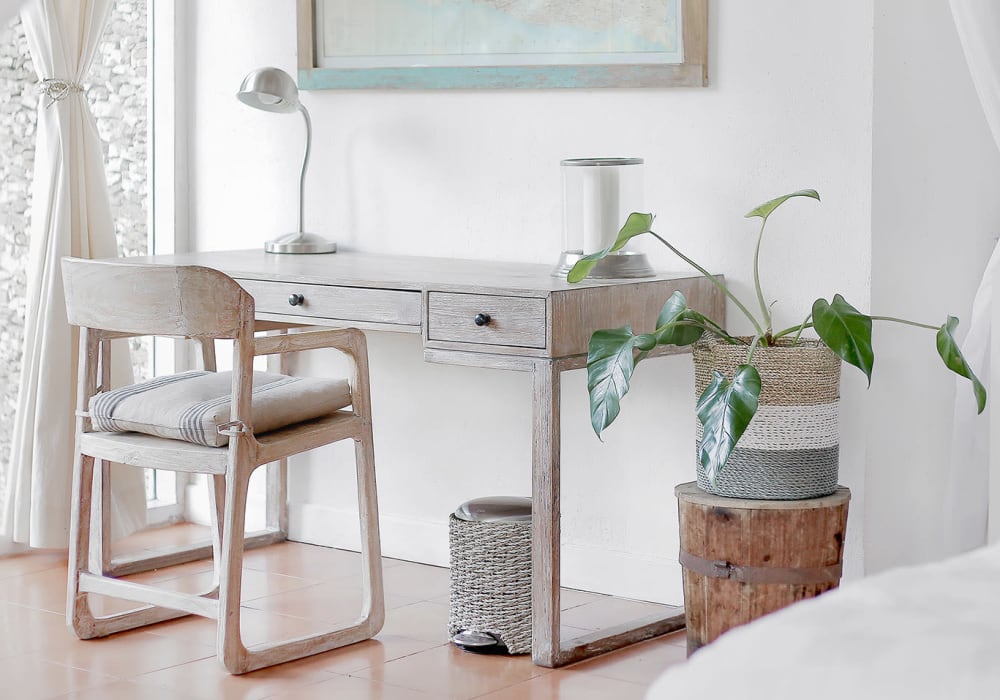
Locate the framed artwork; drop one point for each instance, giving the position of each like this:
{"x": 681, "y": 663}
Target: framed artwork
{"x": 417, "y": 44}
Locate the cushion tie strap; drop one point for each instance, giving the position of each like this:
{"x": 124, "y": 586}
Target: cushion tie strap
{"x": 233, "y": 428}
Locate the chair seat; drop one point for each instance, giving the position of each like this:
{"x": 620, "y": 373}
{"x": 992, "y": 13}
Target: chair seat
{"x": 140, "y": 450}
{"x": 190, "y": 406}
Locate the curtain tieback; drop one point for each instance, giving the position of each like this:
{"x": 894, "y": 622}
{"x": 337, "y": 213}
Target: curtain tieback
{"x": 57, "y": 89}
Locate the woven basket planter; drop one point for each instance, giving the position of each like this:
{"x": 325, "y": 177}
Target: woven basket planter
{"x": 791, "y": 448}
{"x": 491, "y": 580}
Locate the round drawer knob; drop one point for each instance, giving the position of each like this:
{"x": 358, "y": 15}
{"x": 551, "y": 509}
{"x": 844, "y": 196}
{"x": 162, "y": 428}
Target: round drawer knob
{"x": 296, "y": 300}
{"x": 482, "y": 319}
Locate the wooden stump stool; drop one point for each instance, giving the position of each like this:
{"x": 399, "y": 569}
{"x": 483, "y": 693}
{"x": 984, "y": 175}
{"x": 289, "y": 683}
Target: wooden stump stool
{"x": 745, "y": 558}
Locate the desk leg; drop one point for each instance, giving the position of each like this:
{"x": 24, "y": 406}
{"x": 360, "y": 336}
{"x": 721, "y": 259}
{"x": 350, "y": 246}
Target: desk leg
{"x": 545, "y": 535}
{"x": 547, "y": 648}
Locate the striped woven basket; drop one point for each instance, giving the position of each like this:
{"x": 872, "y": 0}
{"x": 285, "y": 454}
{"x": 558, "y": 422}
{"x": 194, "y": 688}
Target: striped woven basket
{"x": 791, "y": 448}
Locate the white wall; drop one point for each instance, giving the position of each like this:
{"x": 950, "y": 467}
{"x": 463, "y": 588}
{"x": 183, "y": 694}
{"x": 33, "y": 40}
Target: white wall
{"x": 935, "y": 218}
{"x": 475, "y": 174}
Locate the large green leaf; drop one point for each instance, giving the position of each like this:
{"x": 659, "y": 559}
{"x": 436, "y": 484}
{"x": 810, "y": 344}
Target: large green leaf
{"x": 765, "y": 209}
{"x": 846, "y": 331}
{"x": 955, "y": 361}
{"x": 669, "y": 327}
{"x": 609, "y": 369}
{"x": 725, "y": 409}
{"x": 636, "y": 225}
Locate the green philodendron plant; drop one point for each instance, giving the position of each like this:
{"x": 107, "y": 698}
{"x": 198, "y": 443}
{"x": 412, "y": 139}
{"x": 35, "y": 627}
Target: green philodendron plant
{"x": 727, "y": 405}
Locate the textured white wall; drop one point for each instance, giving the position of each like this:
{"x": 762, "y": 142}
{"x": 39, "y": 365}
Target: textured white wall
{"x": 935, "y": 218}
{"x": 475, "y": 174}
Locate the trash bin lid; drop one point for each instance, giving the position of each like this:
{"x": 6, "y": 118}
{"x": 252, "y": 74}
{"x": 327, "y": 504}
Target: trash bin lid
{"x": 495, "y": 508}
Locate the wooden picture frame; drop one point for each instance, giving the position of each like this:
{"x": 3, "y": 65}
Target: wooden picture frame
{"x": 682, "y": 63}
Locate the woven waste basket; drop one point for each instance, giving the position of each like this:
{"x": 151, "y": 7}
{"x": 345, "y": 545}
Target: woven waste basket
{"x": 490, "y": 541}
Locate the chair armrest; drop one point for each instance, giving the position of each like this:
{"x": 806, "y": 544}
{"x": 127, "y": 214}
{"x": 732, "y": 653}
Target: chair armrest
{"x": 259, "y": 326}
{"x": 350, "y": 341}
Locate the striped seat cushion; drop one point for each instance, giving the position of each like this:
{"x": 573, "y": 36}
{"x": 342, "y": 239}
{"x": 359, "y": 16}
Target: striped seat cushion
{"x": 190, "y": 406}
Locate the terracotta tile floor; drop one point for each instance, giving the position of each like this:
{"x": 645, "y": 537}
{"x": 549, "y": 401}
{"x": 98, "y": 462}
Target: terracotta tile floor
{"x": 289, "y": 589}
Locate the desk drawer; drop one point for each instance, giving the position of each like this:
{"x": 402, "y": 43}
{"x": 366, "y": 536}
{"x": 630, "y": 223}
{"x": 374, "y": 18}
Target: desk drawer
{"x": 337, "y": 303}
{"x": 513, "y": 321}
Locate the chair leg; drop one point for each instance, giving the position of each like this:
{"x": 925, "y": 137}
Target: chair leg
{"x": 217, "y": 498}
{"x": 82, "y": 544}
{"x": 78, "y": 614}
{"x": 100, "y": 530}
{"x": 232, "y": 652}
{"x": 371, "y": 548}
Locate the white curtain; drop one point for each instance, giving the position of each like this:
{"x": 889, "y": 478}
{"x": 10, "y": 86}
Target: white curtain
{"x": 71, "y": 215}
{"x": 967, "y": 496}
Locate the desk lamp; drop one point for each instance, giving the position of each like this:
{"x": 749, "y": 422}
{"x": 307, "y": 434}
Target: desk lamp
{"x": 273, "y": 90}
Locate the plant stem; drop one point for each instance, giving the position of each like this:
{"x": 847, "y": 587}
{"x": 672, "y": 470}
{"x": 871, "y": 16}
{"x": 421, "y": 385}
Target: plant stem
{"x": 904, "y": 321}
{"x": 719, "y": 333}
{"x": 797, "y": 329}
{"x": 753, "y": 346}
{"x": 705, "y": 324}
{"x": 711, "y": 278}
{"x": 719, "y": 330}
{"x": 764, "y": 310}
{"x": 806, "y": 324}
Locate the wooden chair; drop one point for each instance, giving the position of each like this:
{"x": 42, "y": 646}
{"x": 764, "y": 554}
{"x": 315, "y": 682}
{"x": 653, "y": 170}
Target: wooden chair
{"x": 112, "y": 300}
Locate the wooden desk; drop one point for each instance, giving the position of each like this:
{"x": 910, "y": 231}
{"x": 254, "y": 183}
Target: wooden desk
{"x": 536, "y": 323}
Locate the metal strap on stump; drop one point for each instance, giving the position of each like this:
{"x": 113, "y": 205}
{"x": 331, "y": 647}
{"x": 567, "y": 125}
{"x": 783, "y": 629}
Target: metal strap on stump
{"x": 760, "y": 574}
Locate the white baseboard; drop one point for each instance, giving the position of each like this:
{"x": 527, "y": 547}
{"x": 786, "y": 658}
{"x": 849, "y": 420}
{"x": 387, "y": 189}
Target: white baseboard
{"x": 584, "y": 567}
{"x": 402, "y": 538}
{"x": 622, "y": 574}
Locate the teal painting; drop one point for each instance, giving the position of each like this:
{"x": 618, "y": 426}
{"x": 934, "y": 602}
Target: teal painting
{"x": 420, "y": 44}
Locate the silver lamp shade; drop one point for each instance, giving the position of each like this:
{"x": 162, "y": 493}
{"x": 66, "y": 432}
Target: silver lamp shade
{"x": 273, "y": 90}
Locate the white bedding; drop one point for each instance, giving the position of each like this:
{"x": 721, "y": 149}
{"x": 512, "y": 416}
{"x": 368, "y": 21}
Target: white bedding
{"x": 929, "y": 631}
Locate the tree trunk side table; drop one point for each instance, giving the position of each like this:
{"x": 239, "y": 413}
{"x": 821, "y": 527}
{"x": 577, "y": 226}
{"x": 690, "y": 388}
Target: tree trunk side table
{"x": 742, "y": 559}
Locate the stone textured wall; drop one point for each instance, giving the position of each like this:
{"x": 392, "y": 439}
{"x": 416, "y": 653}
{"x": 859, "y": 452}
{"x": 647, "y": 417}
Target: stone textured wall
{"x": 117, "y": 88}
{"x": 118, "y": 94}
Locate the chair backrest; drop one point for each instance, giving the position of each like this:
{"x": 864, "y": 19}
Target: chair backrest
{"x": 167, "y": 300}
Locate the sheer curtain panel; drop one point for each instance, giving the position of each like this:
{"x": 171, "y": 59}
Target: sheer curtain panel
{"x": 968, "y": 520}
{"x": 71, "y": 215}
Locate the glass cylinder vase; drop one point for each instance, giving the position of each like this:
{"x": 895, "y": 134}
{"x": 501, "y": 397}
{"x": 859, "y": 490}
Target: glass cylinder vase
{"x": 598, "y": 195}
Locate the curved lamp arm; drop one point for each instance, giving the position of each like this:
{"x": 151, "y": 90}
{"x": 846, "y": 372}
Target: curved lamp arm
{"x": 305, "y": 164}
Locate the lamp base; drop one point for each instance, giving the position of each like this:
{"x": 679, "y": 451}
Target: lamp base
{"x": 624, "y": 264}
{"x": 300, "y": 244}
